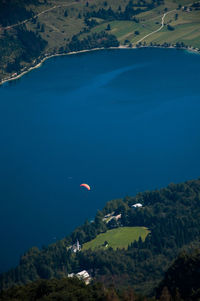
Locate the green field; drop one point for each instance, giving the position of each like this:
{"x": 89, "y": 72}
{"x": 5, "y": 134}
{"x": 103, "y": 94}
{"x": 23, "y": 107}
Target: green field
{"x": 59, "y": 29}
{"x": 124, "y": 30}
{"x": 117, "y": 238}
{"x": 186, "y": 29}
{"x": 186, "y": 26}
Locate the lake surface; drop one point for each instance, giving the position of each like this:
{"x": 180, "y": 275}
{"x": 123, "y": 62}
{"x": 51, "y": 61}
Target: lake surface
{"x": 122, "y": 121}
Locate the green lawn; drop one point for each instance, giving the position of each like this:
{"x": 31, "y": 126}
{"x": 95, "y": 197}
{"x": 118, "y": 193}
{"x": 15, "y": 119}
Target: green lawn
{"x": 125, "y": 30}
{"x": 187, "y": 26}
{"x": 186, "y": 29}
{"x": 117, "y": 238}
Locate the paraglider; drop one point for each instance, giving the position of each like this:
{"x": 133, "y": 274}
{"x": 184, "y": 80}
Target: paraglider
{"x": 86, "y": 186}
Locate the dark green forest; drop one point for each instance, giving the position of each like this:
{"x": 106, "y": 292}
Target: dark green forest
{"x": 173, "y": 216}
{"x": 182, "y": 280}
{"x": 95, "y": 40}
{"x": 19, "y": 46}
{"x": 180, "y": 283}
{"x": 14, "y": 11}
{"x": 68, "y": 290}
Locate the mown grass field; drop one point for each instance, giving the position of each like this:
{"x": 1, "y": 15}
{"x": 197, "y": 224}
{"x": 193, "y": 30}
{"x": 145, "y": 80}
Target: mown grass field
{"x": 125, "y": 30}
{"x": 186, "y": 29}
{"x": 186, "y": 26}
{"x": 117, "y": 238}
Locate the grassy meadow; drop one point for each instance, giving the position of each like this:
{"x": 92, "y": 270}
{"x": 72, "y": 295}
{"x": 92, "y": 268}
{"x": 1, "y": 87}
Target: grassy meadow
{"x": 186, "y": 26}
{"x": 117, "y": 238}
{"x": 59, "y": 29}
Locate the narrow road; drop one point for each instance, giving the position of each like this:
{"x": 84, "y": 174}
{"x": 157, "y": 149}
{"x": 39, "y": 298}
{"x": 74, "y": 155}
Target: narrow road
{"x": 34, "y": 17}
{"x": 162, "y": 25}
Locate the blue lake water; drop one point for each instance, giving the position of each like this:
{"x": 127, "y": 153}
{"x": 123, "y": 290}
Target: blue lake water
{"x": 122, "y": 121}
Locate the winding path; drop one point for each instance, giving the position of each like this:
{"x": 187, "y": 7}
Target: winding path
{"x": 162, "y": 25}
{"x": 35, "y": 16}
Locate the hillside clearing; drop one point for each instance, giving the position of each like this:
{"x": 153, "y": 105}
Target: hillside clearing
{"x": 117, "y": 238}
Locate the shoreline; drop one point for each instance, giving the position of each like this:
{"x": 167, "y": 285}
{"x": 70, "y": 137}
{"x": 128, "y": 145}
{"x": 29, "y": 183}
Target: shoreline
{"x": 39, "y": 64}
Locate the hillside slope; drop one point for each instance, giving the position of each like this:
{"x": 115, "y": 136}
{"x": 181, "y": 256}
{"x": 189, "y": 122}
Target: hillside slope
{"x": 182, "y": 280}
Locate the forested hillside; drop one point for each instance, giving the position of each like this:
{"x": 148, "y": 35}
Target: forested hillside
{"x": 68, "y": 290}
{"x": 171, "y": 214}
{"x": 21, "y": 46}
{"x": 65, "y": 289}
{"x": 181, "y": 282}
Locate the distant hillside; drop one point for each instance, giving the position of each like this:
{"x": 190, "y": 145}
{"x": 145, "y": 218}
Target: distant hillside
{"x": 171, "y": 214}
{"x": 19, "y": 46}
{"x": 127, "y": 22}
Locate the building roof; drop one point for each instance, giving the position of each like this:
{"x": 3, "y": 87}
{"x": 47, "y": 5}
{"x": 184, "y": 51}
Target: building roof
{"x": 137, "y": 205}
{"x": 83, "y": 274}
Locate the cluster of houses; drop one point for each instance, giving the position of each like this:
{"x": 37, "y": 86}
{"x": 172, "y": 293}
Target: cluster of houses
{"x": 187, "y": 9}
{"x": 83, "y": 275}
{"x": 111, "y": 216}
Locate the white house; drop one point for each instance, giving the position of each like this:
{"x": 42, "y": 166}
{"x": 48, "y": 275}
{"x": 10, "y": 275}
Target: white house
{"x": 138, "y": 205}
{"x": 83, "y": 275}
